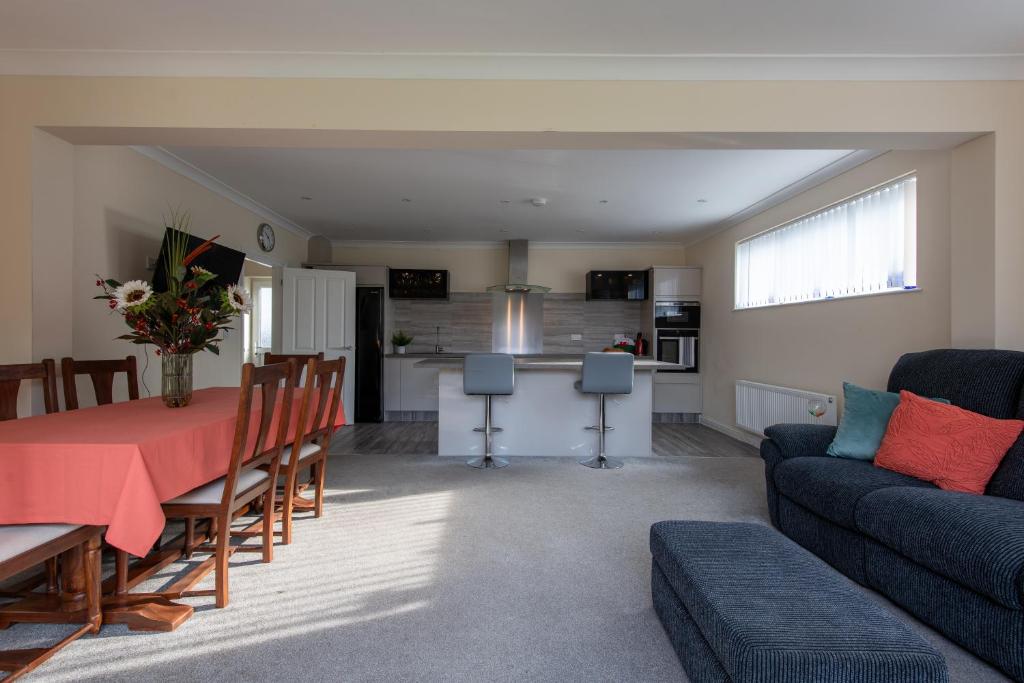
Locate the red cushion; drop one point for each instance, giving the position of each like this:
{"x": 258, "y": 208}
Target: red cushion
{"x": 953, "y": 448}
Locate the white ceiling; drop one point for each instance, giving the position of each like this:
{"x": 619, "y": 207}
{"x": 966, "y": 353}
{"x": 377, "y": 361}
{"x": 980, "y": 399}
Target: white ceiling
{"x": 270, "y": 36}
{"x": 457, "y": 195}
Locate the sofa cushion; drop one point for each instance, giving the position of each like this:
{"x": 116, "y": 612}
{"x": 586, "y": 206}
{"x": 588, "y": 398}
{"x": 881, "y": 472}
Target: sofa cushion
{"x": 984, "y": 381}
{"x": 1008, "y": 481}
{"x": 956, "y": 449}
{"x": 866, "y": 414}
{"x": 832, "y": 487}
{"x": 977, "y": 541}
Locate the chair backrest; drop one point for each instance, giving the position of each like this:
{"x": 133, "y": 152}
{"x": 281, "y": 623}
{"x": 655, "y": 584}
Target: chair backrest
{"x": 251, "y": 449}
{"x": 490, "y": 374}
{"x": 11, "y": 377}
{"x": 101, "y": 372}
{"x": 300, "y": 361}
{"x": 321, "y": 400}
{"x": 607, "y": 373}
{"x": 985, "y": 381}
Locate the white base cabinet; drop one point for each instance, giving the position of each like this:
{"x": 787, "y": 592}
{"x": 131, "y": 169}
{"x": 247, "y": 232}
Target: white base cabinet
{"x": 676, "y": 392}
{"x": 407, "y": 387}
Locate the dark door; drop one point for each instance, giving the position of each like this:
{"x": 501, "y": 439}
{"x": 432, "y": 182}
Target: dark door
{"x": 369, "y": 354}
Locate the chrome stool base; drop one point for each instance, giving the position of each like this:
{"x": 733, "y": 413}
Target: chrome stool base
{"x": 485, "y": 462}
{"x": 599, "y": 462}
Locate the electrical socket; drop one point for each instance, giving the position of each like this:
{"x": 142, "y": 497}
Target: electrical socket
{"x": 575, "y": 337}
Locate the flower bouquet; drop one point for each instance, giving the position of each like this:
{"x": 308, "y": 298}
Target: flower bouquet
{"x": 185, "y": 319}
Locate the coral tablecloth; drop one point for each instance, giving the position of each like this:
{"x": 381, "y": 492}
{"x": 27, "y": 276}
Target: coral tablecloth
{"x": 113, "y": 465}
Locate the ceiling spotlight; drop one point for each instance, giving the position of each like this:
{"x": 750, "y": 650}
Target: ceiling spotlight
{"x": 580, "y": 230}
{"x": 502, "y": 229}
{"x": 306, "y": 198}
{"x": 539, "y": 201}
{"x": 603, "y": 201}
{"x": 406, "y": 200}
{"x": 702, "y": 201}
{"x": 506, "y": 201}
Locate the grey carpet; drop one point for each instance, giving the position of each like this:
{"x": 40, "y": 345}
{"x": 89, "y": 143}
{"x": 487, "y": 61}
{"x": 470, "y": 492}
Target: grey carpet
{"x": 426, "y": 570}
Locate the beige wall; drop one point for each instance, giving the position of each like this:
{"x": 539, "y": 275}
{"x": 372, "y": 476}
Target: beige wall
{"x": 120, "y": 200}
{"x": 53, "y": 225}
{"x": 817, "y": 345}
{"x": 972, "y": 262}
{"x": 139, "y": 108}
{"x": 475, "y": 267}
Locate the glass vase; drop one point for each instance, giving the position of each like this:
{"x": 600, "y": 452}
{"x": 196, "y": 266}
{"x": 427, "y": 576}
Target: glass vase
{"x": 176, "y": 379}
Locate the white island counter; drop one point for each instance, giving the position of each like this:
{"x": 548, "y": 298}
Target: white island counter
{"x": 545, "y": 415}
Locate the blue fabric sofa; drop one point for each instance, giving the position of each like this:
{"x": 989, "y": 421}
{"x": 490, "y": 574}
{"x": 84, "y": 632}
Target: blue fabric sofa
{"x": 953, "y": 560}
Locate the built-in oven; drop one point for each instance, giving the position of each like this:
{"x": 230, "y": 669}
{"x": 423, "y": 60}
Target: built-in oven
{"x": 676, "y": 314}
{"x": 679, "y": 346}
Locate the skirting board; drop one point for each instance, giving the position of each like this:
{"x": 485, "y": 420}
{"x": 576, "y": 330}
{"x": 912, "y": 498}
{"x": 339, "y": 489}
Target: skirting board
{"x": 735, "y": 432}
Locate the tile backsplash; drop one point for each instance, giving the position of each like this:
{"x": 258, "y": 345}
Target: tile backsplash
{"x": 465, "y": 322}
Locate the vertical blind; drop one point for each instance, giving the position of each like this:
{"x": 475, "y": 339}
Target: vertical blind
{"x": 863, "y": 245}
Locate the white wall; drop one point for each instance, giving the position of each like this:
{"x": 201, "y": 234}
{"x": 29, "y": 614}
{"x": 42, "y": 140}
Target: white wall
{"x": 474, "y": 267}
{"x": 817, "y": 345}
{"x": 120, "y": 197}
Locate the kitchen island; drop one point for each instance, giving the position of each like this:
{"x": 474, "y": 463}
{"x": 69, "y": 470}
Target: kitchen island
{"x": 546, "y": 415}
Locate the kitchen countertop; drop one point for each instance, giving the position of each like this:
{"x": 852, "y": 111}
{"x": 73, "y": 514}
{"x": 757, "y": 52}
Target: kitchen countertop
{"x": 540, "y": 362}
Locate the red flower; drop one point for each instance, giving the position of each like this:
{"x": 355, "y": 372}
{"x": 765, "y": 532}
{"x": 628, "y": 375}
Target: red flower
{"x": 158, "y": 352}
{"x": 181, "y": 303}
{"x": 112, "y": 304}
{"x": 191, "y": 284}
{"x": 209, "y": 326}
{"x": 99, "y": 283}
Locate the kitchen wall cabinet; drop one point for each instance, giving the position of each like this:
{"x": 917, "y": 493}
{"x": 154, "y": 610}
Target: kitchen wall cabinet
{"x": 676, "y": 283}
{"x": 407, "y": 387}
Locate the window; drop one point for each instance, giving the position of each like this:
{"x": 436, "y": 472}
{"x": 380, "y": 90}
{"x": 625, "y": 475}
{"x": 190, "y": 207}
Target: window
{"x": 863, "y": 245}
{"x": 258, "y": 323}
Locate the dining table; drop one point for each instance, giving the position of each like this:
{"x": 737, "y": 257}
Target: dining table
{"x": 113, "y": 465}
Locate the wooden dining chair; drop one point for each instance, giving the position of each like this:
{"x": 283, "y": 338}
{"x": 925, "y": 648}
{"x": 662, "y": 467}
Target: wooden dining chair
{"x": 300, "y": 361}
{"x": 23, "y": 546}
{"x": 251, "y": 475}
{"x": 318, "y": 411}
{"x": 102, "y": 373}
{"x": 11, "y": 377}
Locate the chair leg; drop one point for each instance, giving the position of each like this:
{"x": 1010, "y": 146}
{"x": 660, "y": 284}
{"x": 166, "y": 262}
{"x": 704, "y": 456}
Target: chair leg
{"x": 287, "y": 504}
{"x": 321, "y": 476}
{"x": 51, "y": 576}
{"x": 93, "y": 578}
{"x": 190, "y": 536}
{"x": 600, "y": 462}
{"x": 221, "y": 560}
{"x": 488, "y": 461}
{"x": 268, "y": 524}
{"x": 120, "y": 572}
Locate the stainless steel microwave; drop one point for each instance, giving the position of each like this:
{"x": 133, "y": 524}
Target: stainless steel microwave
{"x": 677, "y": 315}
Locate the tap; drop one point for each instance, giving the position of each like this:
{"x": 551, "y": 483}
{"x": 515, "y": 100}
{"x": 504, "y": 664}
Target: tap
{"x": 437, "y": 340}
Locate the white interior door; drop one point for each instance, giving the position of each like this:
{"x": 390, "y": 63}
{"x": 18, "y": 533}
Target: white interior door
{"x": 318, "y": 313}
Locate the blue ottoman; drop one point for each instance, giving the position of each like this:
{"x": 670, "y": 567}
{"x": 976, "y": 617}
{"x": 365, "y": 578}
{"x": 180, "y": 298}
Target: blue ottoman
{"x": 741, "y": 602}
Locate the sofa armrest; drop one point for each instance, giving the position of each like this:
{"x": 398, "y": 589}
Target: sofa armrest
{"x": 799, "y": 441}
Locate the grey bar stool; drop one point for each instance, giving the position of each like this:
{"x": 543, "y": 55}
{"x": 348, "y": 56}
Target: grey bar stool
{"x": 488, "y": 374}
{"x": 605, "y": 373}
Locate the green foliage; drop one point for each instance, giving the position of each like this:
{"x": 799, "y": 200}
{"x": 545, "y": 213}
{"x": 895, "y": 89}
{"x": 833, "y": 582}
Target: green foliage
{"x": 400, "y": 338}
{"x": 190, "y": 315}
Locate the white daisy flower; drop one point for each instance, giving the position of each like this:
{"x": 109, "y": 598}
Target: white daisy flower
{"x": 239, "y": 299}
{"x": 131, "y": 294}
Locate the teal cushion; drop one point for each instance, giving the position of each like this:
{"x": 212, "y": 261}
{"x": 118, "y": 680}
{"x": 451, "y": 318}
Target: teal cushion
{"x": 866, "y": 416}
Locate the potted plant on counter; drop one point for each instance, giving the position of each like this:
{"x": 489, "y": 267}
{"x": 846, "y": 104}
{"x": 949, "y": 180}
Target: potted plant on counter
{"x": 182, "y": 321}
{"x": 400, "y": 340}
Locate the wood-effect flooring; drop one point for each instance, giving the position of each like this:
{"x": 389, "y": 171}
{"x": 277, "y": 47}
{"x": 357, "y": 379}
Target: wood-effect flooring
{"x": 415, "y": 438}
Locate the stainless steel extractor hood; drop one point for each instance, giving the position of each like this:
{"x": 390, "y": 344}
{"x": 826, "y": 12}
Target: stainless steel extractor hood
{"x": 518, "y": 270}
{"x": 517, "y": 308}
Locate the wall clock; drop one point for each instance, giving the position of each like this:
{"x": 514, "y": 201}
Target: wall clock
{"x": 265, "y": 236}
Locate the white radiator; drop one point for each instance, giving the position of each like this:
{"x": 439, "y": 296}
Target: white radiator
{"x": 762, "y": 405}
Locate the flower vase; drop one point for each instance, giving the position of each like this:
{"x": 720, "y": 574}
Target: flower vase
{"x": 176, "y": 379}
